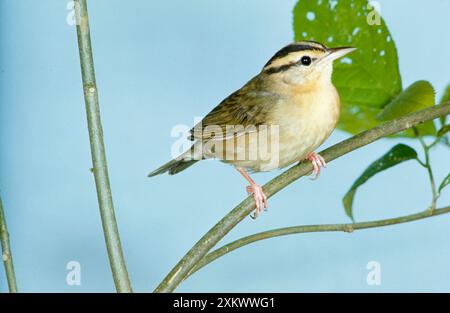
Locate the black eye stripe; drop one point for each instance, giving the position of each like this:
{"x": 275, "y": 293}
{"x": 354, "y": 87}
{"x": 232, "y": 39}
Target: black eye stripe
{"x": 281, "y": 68}
{"x": 304, "y": 61}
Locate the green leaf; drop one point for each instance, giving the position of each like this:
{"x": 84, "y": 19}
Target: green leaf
{"x": 445, "y": 97}
{"x": 398, "y": 154}
{"x": 368, "y": 78}
{"x": 444, "y": 183}
{"x": 416, "y": 97}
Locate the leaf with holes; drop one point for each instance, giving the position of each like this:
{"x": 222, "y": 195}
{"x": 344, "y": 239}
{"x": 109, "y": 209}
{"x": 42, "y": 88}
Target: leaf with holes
{"x": 368, "y": 78}
{"x": 416, "y": 97}
{"x": 398, "y": 154}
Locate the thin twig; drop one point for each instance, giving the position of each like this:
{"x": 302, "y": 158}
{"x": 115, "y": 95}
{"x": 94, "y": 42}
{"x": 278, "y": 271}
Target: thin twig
{"x": 427, "y": 165}
{"x": 216, "y": 233}
{"x": 6, "y": 251}
{"x": 100, "y": 168}
{"x": 348, "y": 227}
{"x": 435, "y": 142}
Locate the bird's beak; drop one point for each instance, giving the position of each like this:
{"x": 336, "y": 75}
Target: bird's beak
{"x": 336, "y": 53}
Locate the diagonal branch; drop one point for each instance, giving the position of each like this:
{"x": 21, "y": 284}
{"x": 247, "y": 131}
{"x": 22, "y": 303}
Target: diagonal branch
{"x": 216, "y": 233}
{"x": 6, "y": 252}
{"x": 347, "y": 227}
{"x": 100, "y": 167}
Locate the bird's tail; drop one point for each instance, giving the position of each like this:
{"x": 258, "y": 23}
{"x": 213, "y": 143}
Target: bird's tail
{"x": 173, "y": 167}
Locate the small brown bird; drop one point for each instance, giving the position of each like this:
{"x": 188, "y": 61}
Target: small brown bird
{"x": 279, "y": 117}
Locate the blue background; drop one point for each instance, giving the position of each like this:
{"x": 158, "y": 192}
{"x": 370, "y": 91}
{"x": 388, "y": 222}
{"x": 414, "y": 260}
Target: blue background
{"x": 161, "y": 63}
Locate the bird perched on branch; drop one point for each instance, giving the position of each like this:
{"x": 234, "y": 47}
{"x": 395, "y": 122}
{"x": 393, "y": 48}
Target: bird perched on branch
{"x": 278, "y": 118}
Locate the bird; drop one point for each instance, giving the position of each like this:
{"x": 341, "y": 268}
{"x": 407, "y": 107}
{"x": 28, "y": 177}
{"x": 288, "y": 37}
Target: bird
{"x": 279, "y": 117}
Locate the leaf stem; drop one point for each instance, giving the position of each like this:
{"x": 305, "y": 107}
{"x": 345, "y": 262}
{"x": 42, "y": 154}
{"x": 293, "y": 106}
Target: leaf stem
{"x": 347, "y": 227}
{"x": 6, "y": 252}
{"x": 100, "y": 168}
{"x": 218, "y": 231}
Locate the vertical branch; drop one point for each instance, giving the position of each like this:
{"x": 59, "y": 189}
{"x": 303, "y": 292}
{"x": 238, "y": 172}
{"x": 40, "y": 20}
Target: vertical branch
{"x": 100, "y": 169}
{"x": 6, "y": 251}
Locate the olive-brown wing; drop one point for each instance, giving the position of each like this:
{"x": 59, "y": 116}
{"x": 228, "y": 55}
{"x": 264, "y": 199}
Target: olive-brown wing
{"x": 246, "y": 108}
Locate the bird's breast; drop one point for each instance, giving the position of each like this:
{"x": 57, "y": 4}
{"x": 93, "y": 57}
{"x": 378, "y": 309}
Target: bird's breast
{"x": 305, "y": 120}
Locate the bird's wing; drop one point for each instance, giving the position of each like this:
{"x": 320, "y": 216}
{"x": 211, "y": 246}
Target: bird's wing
{"x": 248, "y": 107}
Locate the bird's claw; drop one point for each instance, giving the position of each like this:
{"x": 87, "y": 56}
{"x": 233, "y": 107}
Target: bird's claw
{"x": 259, "y": 197}
{"x": 317, "y": 162}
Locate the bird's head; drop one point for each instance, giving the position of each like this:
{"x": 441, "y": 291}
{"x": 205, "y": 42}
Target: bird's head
{"x": 304, "y": 63}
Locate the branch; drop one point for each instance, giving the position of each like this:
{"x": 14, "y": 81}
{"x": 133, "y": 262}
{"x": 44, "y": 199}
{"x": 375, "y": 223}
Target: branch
{"x": 6, "y": 252}
{"x": 348, "y": 228}
{"x": 215, "y": 234}
{"x": 100, "y": 169}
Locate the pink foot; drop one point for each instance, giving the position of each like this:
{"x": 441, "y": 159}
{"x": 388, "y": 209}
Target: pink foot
{"x": 259, "y": 197}
{"x": 318, "y": 162}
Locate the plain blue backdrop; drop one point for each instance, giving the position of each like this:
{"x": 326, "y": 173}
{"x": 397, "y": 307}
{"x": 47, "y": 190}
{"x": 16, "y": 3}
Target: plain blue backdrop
{"x": 161, "y": 63}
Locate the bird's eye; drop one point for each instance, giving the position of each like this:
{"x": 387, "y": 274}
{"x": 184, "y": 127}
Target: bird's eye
{"x": 305, "y": 60}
